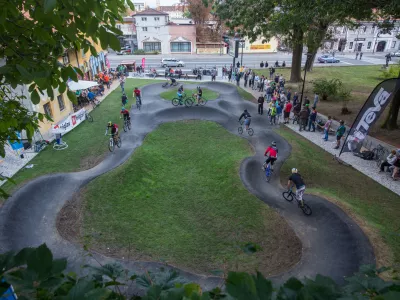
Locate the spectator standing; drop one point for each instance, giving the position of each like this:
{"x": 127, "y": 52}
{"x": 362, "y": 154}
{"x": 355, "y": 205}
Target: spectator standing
{"x": 229, "y": 75}
{"x": 327, "y": 127}
{"x": 286, "y": 113}
{"x": 361, "y": 54}
{"x": 261, "y": 85}
{"x": 260, "y": 104}
{"x": 278, "y": 112}
{"x": 356, "y": 55}
{"x": 266, "y": 64}
{"x": 213, "y": 74}
{"x": 295, "y": 98}
{"x": 237, "y": 64}
{"x": 237, "y": 78}
{"x": 303, "y": 118}
{"x": 339, "y": 133}
{"x": 256, "y": 81}
{"x": 271, "y": 73}
{"x": 122, "y": 81}
{"x": 312, "y": 119}
{"x": 246, "y": 78}
{"x": 272, "y": 113}
{"x": 283, "y": 97}
{"x": 283, "y": 64}
{"x": 306, "y": 100}
{"x": 289, "y": 95}
{"x": 261, "y": 64}
{"x": 269, "y": 94}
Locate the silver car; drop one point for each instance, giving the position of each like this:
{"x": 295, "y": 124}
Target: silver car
{"x": 172, "y": 62}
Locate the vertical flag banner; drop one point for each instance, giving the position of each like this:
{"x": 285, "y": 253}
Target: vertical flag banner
{"x": 369, "y": 113}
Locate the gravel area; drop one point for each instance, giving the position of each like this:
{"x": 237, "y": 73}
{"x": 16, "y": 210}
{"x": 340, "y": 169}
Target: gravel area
{"x": 366, "y": 167}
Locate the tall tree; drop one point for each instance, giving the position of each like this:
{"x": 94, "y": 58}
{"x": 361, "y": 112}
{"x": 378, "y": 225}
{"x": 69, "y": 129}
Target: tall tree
{"x": 33, "y": 35}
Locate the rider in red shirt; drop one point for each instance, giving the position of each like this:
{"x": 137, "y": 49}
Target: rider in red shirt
{"x": 137, "y": 93}
{"x": 125, "y": 113}
{"x": 114, "y": 130}
{"x": 272, "y": 152}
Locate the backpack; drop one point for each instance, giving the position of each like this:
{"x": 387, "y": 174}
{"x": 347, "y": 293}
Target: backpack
{"x": 367, "y": 155}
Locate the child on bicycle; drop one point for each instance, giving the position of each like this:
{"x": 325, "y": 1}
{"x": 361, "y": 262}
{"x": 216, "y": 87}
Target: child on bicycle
{"x": 124, "y": 99}
{"x": 125, "y": 113}
{"x": 247, "y": 118}
{"x": 114, "y": 130}
{"x": 180, "y": 94}
{"x": 199, "y": 95}
{"x": 272, "y": 152}
{"x": 295, "y": 179}
{"x": 137, "y": 94}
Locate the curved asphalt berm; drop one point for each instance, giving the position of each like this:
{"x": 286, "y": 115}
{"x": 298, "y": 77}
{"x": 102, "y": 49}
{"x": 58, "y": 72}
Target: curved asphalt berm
{"x": 333, "y": 244}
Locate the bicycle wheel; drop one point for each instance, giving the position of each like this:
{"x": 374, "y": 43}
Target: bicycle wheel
{"x": 267, "y": 174}
{"x": 89, "y": 118}
{"x": 125, "y": 127}
{"x": 129, "y": 125}
{"x": 119, "y": 142}
{"x": 111, "y": 145}
{"x": 202, "y": 101}
{"x": 306, "y": 209}
{"x": 288, "y": 196}
{"x": 175, "y": 102}
{"x": 250, "y": 131}
{"x": 189, "y": 102}
{"x": 138, "y": 105}
{"x": 240, "y": 130}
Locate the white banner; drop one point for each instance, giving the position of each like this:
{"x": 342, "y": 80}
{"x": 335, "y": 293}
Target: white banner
{"x": 70, "y": 122}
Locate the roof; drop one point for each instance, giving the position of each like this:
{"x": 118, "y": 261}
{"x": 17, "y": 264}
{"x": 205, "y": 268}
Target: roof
{"x": 167, "y": 8}
{"x": 151, "y": 12}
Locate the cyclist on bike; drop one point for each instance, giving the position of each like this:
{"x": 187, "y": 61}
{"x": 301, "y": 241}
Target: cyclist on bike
{"x": 272, "y": 153}
{"x": 173, "y": 81}
{"x": 199, "y": 95}
{"x": 114, "y": 130}
{"x": 295, "y": 179}
{"x": 125, "y": 113}
{"x": 247, "y": 118}
{"x": 137, "y": 94}
{"x": 180, "y": 94}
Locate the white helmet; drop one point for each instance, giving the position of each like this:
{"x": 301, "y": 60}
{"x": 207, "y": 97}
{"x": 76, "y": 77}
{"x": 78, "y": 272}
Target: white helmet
{"x": 294, "y": 170}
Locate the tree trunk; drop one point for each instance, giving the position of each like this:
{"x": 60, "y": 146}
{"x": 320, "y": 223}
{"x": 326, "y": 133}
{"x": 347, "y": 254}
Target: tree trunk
{"x": 295, "y": 75}
{"x": 310, "y": 61}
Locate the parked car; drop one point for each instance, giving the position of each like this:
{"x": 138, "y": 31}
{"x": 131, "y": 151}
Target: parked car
{"x": 397, "y": 54}
{"x": 328, "y": 59}
{"x": 125, "y": 50}
{"x": 172, "y": 62}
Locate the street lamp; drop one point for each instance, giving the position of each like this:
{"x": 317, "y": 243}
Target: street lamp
{"x": 304, "y": 80}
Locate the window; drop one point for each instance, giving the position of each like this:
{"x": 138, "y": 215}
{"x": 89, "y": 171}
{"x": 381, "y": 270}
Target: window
{"x": 181, "y": 47}
{"x": 393, "y": 44}
{"x": 61, "y": 103}
{"x": 369, "y": 45}
{"x": 153, "y": 46}
{"x": 119, "y": 26}
{"x": 156, "y": 18}
{"x": 351, "y": 45}
{"x": 365, "y": 29}
{"x": 47, "y": 109}
{"x": 144, "y": 28}
{"x": 373, "y": 29}
{"x": 144, "y": 19}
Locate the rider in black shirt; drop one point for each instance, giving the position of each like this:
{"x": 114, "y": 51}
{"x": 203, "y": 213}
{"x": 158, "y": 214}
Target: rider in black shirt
{"x": 247, "y": 118}
{"x": 295, "y": 179}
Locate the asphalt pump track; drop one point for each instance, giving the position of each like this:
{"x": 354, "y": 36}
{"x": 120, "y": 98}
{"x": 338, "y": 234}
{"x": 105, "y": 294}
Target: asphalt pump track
{"x": 332, "y": 243}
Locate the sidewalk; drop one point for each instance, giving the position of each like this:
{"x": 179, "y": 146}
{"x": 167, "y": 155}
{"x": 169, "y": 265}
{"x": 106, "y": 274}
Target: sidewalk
{"x": 12, "y": 162}
{"x": 367, "y": 167}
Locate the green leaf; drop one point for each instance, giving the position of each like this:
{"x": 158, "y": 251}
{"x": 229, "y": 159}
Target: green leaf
{"x": 263, "y": 286}
{"x": 97, "y": 294}
{"x": 59, "y": 265}
{"x": 241, "y": 286}
{"x": 24, "y": 72}
{"x": 114, "y": 42}
{"x": 50, "y": 92}
{"x": 49, "y": 5}
{"x": 92, "y": 26}
{"x": 62, "y": 87}
{"x": 130, "y": 4}
{"x": 71, "y": 95}
{"x": 104, "y": 37}
{"x": 192, "y": 288}
{"x": 35, "y": 97}
{"x": 40, "y": 261}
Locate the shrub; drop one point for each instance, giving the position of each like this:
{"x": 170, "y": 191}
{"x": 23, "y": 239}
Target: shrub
{"x": 392, "y": 72}
{"x": 139, "y": 52}
{"x": 327, "y": 88}
{"x": 155, "y": 52}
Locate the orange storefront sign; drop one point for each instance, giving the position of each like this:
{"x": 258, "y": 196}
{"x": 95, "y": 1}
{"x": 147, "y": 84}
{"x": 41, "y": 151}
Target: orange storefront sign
{"x": 258, "y": 47}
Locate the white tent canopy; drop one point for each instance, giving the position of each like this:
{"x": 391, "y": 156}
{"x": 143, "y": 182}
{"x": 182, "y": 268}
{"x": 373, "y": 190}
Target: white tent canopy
{"x": 81, "y": 85}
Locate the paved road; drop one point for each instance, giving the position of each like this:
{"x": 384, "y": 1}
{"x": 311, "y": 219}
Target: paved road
{"x": 250, "y": 60}
{"x": 332, "y": 243}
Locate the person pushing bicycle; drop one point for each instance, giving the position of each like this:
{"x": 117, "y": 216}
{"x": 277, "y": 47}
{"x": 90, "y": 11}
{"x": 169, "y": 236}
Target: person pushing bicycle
{"x": 297, "y": 180}
{"x": 272, "y": 153}
{"x": 114, "y": 130}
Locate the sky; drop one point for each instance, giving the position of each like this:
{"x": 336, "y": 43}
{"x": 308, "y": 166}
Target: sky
{"x": 152, "y": 3}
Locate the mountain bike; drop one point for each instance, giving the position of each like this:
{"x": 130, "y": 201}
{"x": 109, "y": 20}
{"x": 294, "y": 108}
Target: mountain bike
{"x": 167, "y": 84}
{"x": 138, "y": 102}
{"x": 202, "y": 100}
{"x": 112, "y": 142}
{"x": 250, "y": 131}
{"x": 127, "y": 125}
{"x": 289, "y": 195}
{"x": 268, "y": 171}
{"x": 184, "y": 100}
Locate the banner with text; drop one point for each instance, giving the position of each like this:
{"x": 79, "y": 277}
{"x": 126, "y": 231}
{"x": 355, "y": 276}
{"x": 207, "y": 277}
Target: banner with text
{"x": 369, "y": 113}
{"x": 70, "y": 122}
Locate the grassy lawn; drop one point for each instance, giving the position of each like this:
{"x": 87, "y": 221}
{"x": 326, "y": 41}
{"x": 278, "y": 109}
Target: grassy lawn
{"x": 246, "y": 95}
{"x": 86, "y": 144}
{"x": 171, "y": 94}
{"x": 375, "y": 207}
{"x": 180, "y": 199}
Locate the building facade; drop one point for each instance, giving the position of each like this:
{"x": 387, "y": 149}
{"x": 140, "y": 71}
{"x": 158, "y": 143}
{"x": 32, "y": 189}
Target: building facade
{"x": 156, "y": 33}
{"x": 128, "y": 29}
{"x": 366, "y": 38}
